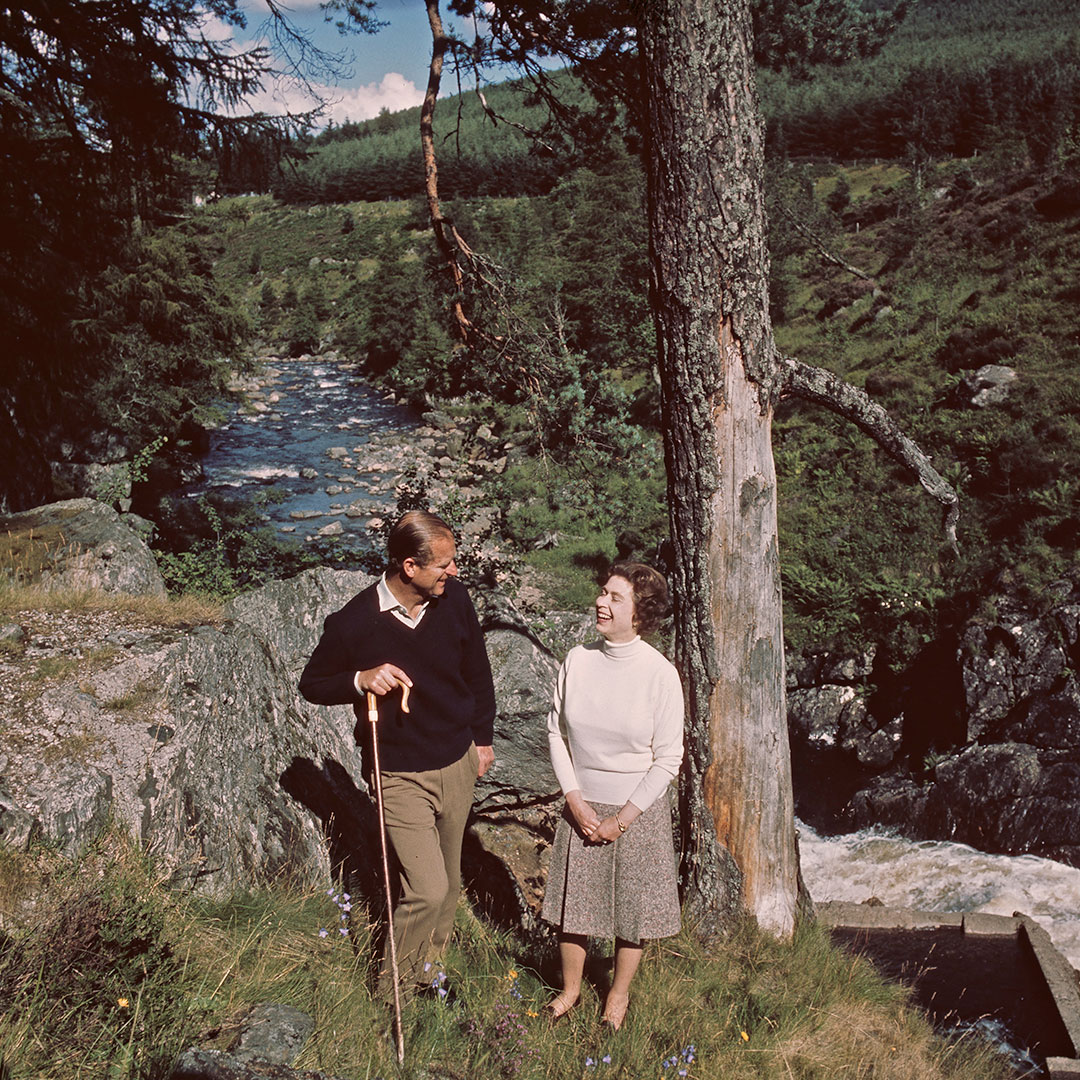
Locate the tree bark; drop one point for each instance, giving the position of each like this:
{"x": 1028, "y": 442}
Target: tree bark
{"x": 718, "y": 367}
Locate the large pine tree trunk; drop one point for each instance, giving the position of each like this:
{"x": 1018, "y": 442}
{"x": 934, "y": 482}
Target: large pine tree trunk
{"x": 718, "y": 367}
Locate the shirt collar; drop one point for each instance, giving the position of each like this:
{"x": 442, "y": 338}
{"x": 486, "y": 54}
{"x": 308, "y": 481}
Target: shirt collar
{"x": 389, "y": 602}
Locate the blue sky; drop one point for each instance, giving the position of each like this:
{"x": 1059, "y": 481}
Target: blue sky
{"x": 388, "y": 69}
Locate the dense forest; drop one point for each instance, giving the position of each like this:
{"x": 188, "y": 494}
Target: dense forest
{"x": 955, "y": 80}
{"x": 925, "y": 215}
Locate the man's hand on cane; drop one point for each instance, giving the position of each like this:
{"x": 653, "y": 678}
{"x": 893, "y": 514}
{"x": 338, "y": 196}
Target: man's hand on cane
{"x": 382, "y": 679}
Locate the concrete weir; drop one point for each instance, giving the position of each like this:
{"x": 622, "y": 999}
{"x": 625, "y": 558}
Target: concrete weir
{"x": 965, "y": 967}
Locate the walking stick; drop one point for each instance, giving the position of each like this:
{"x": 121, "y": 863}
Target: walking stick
{"x": 373, "y": 718}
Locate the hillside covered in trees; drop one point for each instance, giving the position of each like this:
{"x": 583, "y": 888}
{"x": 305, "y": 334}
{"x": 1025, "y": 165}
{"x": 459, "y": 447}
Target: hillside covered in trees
{"x": 956, "y": 79}
{"x": 924, "y": 213}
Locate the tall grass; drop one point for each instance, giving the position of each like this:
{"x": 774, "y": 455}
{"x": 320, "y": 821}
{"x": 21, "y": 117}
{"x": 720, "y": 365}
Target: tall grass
{"x": 106, "y": 973}
{"x": 191, "y": 609}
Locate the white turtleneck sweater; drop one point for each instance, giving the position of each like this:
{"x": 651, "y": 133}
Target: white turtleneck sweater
{"x": 616, "y": 723}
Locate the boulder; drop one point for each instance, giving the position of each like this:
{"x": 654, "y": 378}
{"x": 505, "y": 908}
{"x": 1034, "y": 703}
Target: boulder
{"x": 518, "y": 800}
{"x": 261, "y": 1045}
{"x": 198, "y": 743}
{"x": 989, "y": 385}
{"x": 1006, "y": 664}
{"x": 80, "y": 544}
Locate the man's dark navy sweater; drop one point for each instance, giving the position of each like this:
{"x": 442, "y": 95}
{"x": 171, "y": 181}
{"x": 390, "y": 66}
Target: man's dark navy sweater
{"x": 452, "y": 701}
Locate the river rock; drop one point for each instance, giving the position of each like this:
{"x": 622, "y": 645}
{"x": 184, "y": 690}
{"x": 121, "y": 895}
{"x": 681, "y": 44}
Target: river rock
{"x": 438, "y": 420}
{"x": 817, "y": 668}
{"x": 1012, "y": 784}
{"x": 80, "y": 544}
{"x": 1007, "y": 663}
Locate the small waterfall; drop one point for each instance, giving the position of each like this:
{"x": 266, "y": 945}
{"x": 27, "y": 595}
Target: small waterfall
{"x": 936, "y": 875}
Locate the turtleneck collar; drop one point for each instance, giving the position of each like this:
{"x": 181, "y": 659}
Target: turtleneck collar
{"x": 624, "y": 650}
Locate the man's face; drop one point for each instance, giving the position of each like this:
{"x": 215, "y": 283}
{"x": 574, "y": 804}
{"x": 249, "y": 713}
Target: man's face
{"x": 430, "y": 579}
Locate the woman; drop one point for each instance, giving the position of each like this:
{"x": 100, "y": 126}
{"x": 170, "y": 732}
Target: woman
{"x": 615, "y": 731}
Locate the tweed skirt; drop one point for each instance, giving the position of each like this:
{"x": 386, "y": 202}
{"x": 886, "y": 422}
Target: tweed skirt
{"x": 627, "y": 889}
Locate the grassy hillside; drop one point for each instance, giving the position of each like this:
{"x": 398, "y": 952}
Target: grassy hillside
{"x": 106, "y": 974}
{"x": 977, "y": 266}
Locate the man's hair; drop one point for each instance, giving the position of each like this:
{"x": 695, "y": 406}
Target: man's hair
{"x": 651, "y": 603}
{"x": 411, "y": 538}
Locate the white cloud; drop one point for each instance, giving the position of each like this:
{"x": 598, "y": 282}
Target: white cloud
{"x": 392, "y": 92}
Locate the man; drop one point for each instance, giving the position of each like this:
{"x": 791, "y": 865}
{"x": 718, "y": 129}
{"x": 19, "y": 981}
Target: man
{"x": 416, "y": 628}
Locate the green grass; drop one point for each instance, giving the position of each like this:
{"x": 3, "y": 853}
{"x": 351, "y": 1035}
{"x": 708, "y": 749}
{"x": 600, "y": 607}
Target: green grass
{"x": 105, "y": 973}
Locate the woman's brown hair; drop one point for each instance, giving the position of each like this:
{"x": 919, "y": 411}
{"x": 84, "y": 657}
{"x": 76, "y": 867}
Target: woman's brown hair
{"x": 651, "y": 603}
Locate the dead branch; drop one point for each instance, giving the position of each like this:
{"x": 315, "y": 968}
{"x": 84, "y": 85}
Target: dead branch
{"x": 822, "y": 250}
{"x": 447, "y": 237}
{"x": 828, "y": 389}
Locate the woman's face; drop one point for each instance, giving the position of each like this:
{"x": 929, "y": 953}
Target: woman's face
{"x": 615, "y": 611}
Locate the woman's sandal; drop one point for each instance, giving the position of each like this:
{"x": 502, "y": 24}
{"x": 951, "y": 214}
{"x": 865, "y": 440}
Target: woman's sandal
{"x": 558, "y": 1007}
{"x": 615, "y": 1012}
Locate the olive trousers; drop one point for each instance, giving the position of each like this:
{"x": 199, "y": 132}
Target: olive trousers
{"x": 426, "y": 813}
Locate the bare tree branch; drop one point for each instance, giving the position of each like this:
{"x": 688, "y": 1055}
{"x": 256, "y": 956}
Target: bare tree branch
{"x": 828, "y": 389}
{"x": 447, "y": 237}
{"x": 822, "y": 250}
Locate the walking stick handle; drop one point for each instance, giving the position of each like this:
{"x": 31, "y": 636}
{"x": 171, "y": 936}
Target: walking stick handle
{"x": 373, "y": 702}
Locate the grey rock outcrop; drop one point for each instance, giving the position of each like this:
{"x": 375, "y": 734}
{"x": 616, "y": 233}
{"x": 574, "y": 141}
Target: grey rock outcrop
{"x": 260, "y": 1045}
{"x": 989, "y": 385}
{"x": 1007, "y": 665}
{"x": 81, "y": 544}
{"x": 828, "y": 708}
{"x": 197, "y": 742}
{"x": 1012, "y": 784}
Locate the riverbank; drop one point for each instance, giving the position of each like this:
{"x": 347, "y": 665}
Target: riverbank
{"x": 327, "y": 460}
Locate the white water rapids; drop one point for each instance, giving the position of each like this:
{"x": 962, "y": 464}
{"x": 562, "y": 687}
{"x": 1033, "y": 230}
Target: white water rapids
{"x": 936, "y": 875}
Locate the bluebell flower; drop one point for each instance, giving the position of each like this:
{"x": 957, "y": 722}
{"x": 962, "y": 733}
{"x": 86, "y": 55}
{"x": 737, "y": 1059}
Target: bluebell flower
{"x": 323, "y": 932}
{"x": 606, "y": 1059}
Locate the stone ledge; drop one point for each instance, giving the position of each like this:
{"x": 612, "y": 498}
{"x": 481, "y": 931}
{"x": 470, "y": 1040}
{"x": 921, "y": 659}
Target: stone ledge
{"x": 1019, "y": 930}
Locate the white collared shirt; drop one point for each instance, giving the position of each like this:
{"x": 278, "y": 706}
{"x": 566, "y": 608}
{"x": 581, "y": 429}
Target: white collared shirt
{"x": 389, "y": 602}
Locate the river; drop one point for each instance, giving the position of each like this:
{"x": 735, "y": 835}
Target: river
{"x": 298, "y": 413}
{"x": 303, "y": 438}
